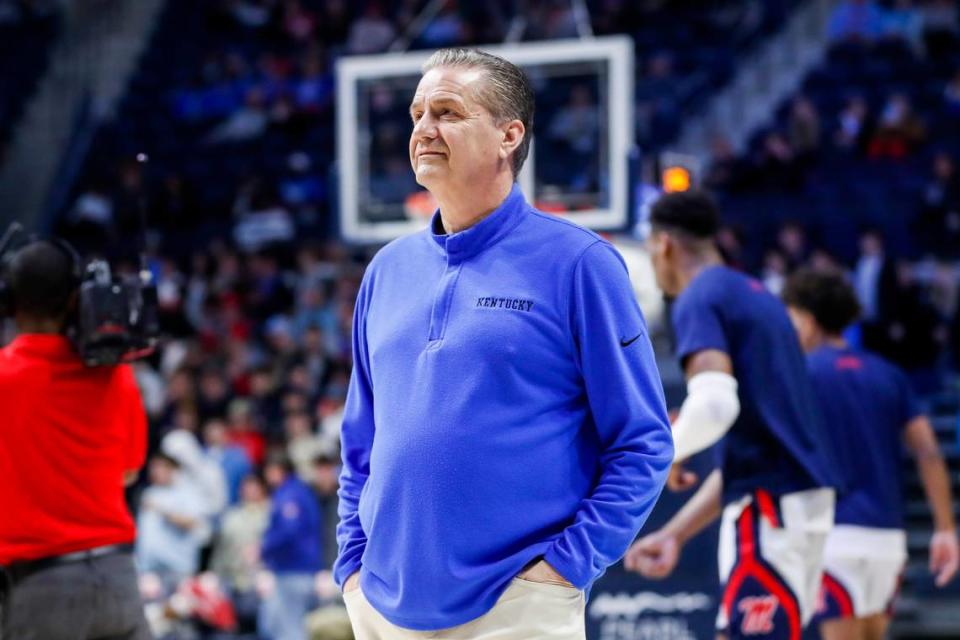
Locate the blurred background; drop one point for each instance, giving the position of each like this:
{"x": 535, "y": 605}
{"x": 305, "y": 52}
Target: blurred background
{"x": 212, "y": 133}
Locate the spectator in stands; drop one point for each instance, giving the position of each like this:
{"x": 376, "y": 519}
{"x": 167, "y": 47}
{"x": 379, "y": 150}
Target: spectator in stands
{"x": 314, "y": 89}
{"x": 325, "y": 482}
{"x": 93, "y": 208}
{"x": 910, "y": 331}
{"x": 551, "y": 20}
{"x": 823, "y": 260}
{"x": 726, "y": 170}
{"x": 730, "y": 244}
{"x": 774, "y": 273}
{"x": 278, "y": 335}
{"x": 174, "y": 212}
{"x": 903, "y": 21}
{"x": 302, "y": 185}
{"x": 302, "y": 444}
{"x": 872, "y": 274}
{"x": 246, "y": 123}
{"x": 858, "y": 20}
{"x": 202, "y": 473}
{"x": 267, "y": 224}
{"x": 213, "y": 394}
{"x": 372, "y": 33}
{"x": 393, "y": 182}
{"x": 129, "y": 198}
{"x": 853, "y": 126}
{"x": 232, "y": 458}
{"x": 313, "y": 310}
{"x": 171, "y": 511}
{"x": 290, "y": 551}
{"x": 314, "y": 354}
{"x": 804, "y": 129}
{"x": 777, "y": 165}
{"x": 445, "y": 29}
{"x": 299, "y": 22}
{"x": 576, "y": 127}
{"x": 253, "y": 14}
{"x": 938, "y": 226}
{"x": 941, "y": 27}
{"x": 270, "y": 293}
{"x": 298, "y": 379}
{"x": 329, "y": 409}
{"x": 792, "y": 244}
{"x": 180, "y": 390}
{"x": 244, "y": 431}
{"x": 899, "y": 129}
{"x": 333, "y": 22}
{"x": 236, "y": 552}
{"x": 658, "y": 98}
{"x": 577, "y": 123}
{"x": 951, "y": 95}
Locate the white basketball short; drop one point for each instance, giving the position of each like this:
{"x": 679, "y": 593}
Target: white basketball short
{"x": 862, "y": 571}
{"x": 771, "y": 562}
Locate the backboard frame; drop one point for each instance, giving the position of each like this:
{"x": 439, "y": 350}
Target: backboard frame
{"x": 617, "y": 50}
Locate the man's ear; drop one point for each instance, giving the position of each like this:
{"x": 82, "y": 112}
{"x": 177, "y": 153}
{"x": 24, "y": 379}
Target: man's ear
{"x": 668, "y": 247}
{"x": 513, "y": 134}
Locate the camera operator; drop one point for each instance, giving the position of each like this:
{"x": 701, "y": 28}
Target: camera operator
{"x": 71, "y": 438}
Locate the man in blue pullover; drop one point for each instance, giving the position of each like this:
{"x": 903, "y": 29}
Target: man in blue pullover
{"x": 505, "y": 434}
{"x": 290, "y": 551}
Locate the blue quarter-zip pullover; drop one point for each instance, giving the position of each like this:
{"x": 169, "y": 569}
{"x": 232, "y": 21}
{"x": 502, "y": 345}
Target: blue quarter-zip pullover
{"x": 504, "y": 405}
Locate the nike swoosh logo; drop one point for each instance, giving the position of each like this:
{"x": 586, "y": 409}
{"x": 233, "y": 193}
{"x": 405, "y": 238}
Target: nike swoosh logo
{"x": 627, "y": 343}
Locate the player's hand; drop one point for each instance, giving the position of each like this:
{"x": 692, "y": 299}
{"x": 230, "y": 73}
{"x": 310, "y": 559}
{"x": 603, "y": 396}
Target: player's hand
{"x": 543, "y": 573}
{"x": 352, "y": 583}
{"x": 681, "y": 479}
{"x": 653, "y": 556}
{"x": 944, "y": 556}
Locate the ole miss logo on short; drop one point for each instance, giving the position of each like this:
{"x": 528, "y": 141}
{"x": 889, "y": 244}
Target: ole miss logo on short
{"x": 758, "y": 612}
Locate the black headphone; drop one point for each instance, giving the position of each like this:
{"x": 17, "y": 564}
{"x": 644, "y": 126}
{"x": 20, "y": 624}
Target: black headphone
{"x": 76, "y": 263}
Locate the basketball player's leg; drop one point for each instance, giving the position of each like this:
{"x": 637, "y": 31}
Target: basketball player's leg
{"x": 841, "y": 629}
{"x": 875, "y": 626}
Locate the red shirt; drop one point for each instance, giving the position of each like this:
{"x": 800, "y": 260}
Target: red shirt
{"x": 67, "y": 435}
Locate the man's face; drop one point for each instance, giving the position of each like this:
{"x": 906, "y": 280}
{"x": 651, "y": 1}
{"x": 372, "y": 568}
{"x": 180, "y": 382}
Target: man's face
{"x": 455, "y": 138}
{"x": 275, "y": 475}
{"x": 251, "y": 491}
{"x": 661, "y": 249}
{"x": 161, "y": 472}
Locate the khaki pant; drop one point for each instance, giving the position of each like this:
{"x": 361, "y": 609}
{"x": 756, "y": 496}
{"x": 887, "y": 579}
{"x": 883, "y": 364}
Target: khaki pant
{"x": 526, "y": 611}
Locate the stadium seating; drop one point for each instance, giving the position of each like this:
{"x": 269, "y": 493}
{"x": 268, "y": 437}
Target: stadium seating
{"x": 843, "y": 192}
{"x": 172, "y": 107}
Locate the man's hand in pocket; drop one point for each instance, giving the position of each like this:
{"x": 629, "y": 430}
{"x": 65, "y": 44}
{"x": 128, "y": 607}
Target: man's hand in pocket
{"x": 352, "y": 583}
{"x": 542, "y": 572}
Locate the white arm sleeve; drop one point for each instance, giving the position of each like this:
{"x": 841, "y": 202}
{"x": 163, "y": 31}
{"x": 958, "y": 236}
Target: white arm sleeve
{"x": 707, "y": 414}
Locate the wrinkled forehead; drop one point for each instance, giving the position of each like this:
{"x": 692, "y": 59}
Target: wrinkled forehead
{"x": 462, "y": 84}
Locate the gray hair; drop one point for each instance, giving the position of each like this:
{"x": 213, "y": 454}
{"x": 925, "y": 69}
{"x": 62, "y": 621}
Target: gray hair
{"x": 506, "y": 94}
